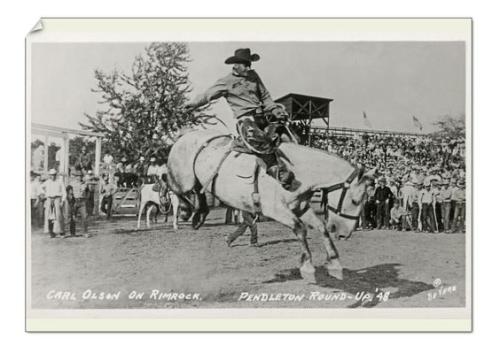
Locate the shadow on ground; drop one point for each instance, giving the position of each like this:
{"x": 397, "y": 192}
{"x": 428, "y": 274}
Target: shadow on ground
{"x": 368, "y": 280}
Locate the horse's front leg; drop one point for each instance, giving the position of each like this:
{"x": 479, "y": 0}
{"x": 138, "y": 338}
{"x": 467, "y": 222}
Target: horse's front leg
{"x": 286, "y": 217}
{"x": 148, "y": 214}
{"x": 175, "y": 209}
{"x": 141, "y": 209}
{"x": 333, "y": 265}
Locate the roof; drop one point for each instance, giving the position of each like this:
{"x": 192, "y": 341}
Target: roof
{"x": 303, "y": 96}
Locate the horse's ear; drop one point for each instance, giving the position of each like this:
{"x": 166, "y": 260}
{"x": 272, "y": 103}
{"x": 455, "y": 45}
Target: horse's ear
{"x": 370, "y": 175}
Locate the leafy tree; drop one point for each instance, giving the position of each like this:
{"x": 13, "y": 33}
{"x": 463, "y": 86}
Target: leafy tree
{"x": 142, "y": 111}
{"x": 451, "y": 127}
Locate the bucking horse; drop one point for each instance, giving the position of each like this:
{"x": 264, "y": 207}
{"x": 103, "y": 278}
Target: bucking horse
{"x": 204, "y": 160}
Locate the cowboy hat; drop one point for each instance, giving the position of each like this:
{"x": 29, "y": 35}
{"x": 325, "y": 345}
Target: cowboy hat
{"x": 52, "y": 172}
{"x": 242, "y": 56}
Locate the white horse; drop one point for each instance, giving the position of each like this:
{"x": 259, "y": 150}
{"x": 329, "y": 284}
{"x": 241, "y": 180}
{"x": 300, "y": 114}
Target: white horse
{"x": 194, "y": 165}
{"x": 152, "y": 198}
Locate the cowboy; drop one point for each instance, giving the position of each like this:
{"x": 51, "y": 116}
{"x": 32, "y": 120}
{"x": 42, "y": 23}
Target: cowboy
{"x": 76, "y": 201}
{"x": 446, "y": 194}
{"x": 152, "y": 170}
{"x": 459, "y": 197}
{"x": 36, "y": 201}
{"x": 427, "y": 200}
{"x": 251, "y": 103}
{"x": 140, "y": 167}
{"x": 108, "y": 190}
{"x": 383, "y": 197}
{"x": 53, "y": 190}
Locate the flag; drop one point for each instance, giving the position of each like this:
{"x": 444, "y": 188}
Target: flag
{"x": 417, "y": 123}
{"x": 366, "y": 121}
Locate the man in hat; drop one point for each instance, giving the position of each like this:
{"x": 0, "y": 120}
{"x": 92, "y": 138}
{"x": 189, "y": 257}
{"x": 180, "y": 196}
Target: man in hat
{"x": 53, "y": 190}
{"x": 383, "y": 198}
{"x": 108, "y": 190}
{"x": 152, "y": 171}
{"x": 76, "y": 201}
{"x": 140, "y": 167}
{"x": 446, "y": 204}
{"x": 36, "y": 201}
{"x": 251, "y": 104}
{"x": 427, "y": 200}
{"x": 436, "y": 186}
{"x": 458, "y": 196}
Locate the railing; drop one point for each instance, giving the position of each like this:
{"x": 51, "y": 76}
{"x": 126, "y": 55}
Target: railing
{"x": 350, "y": 131}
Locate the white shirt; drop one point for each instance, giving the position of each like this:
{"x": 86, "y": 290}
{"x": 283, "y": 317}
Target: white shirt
{"x": 161, "y": 170}
{"x": 152, "y": 170}
{"x": 36, "y": 189}
{"x": 53, "y": 188}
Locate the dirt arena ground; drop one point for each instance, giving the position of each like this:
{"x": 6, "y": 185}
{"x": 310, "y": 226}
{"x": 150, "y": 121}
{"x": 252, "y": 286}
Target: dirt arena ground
{"x": 119, "y": 267}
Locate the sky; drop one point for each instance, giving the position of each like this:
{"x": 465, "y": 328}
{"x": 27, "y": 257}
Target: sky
{"x": 390, "y": 81}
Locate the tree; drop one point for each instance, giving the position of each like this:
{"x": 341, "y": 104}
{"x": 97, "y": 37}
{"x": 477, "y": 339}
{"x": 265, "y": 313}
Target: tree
{"x": 451, "y": 127}
{"x": 143, "y": 110}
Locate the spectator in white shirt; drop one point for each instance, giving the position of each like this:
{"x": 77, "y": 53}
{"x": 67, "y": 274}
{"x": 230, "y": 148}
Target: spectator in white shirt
{"x": 53, "y": 190}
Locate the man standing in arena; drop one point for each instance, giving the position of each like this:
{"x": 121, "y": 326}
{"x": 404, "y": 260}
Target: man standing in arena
{"x": 36, "y": 202}
{"x": 459, "y": 217}
{"x": 427, "y": 201}
{"x": 53, "y": 190}
{"x": 76, "y": 200}
{"x": 383, "y": 198}
{"x": 446, "y": 204}
{"x": 109, "y": 190}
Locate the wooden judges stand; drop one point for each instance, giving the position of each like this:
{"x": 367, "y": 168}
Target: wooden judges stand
{"x": 304, "y": 109}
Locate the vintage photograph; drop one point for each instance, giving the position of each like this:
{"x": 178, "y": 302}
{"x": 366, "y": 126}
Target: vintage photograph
{"x": 240, "y": 174}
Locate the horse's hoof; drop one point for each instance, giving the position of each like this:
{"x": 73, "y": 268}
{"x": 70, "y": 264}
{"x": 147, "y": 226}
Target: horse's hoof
{"x": 307, "y": 271}
{"x": 335, "y": 270}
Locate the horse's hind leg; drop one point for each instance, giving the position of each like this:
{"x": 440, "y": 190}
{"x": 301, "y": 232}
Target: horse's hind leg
{"x": 201, "y": 210}
{"x": 332, "y": 255}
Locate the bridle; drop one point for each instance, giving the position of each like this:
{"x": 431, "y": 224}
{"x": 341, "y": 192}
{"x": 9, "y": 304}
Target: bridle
{"x": 344, "y": 186}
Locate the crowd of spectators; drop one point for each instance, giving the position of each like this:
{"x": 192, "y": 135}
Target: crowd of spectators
{"x": 421, "y": 178}
{"x": 420, "y": 184}
{"x": 57, "y": 200}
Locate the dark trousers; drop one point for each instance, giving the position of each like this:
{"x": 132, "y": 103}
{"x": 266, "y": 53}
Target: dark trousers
{"x": 36, "y": 213}
{"x": 459, "y": 217}
{"x": 439, "y": 216}
{"x": 383, "y": 215}
{"x": 248, "y": 222}
{"x": 367, "y": 214}
{"x": 90, "y": 202}
{"x": 428, "y": 220}
{"x": 446, "y": 212}
{"x": 107, "y": 205}
{"x": 72, "y": 209}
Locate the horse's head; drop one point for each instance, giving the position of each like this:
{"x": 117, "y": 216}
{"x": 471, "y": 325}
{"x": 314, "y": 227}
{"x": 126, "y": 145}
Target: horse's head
{"x": 344, "y": 204}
